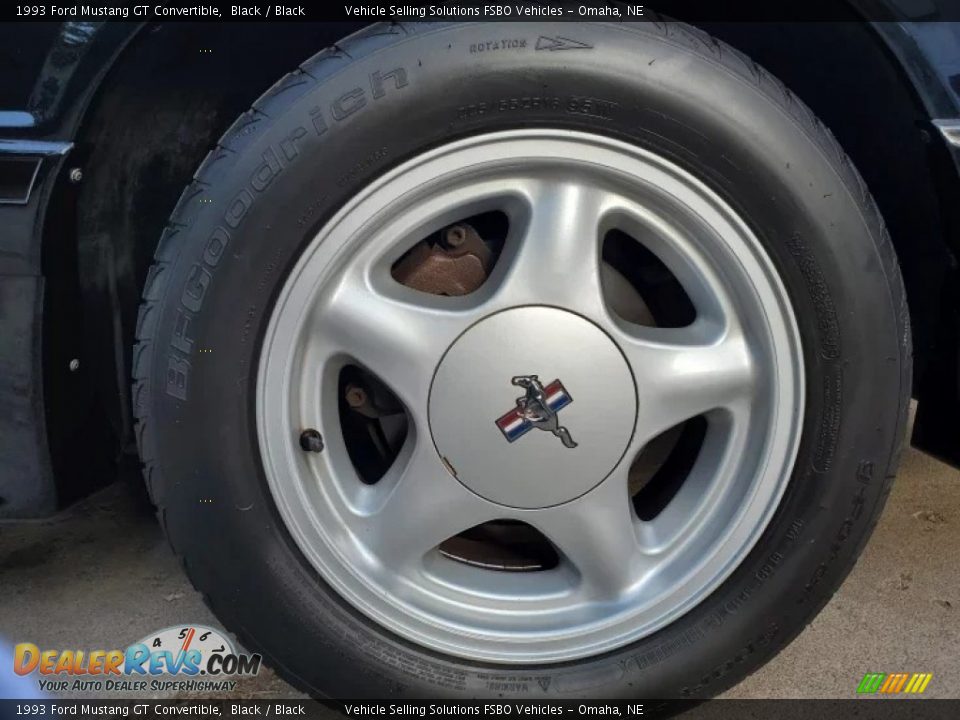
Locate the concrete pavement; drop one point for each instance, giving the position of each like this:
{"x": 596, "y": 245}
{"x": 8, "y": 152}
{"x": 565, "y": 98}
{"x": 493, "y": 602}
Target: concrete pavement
{"x": 100, "y": 575}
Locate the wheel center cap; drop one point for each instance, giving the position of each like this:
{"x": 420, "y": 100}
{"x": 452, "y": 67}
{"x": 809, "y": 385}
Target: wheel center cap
{"x": 532, "y": 407}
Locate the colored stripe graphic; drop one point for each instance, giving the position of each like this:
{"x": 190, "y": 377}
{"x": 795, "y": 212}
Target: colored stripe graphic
{"x": 894, "y": 683}
{"x": 557, "y": 396}
{"x": 921, "y": 681}
{"x": 871, "y": 682}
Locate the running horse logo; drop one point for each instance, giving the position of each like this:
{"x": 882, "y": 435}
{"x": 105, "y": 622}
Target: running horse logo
{"x": 537, "y": 408}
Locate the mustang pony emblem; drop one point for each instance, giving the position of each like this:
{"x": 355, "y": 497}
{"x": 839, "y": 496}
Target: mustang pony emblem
{"x": 537, "y": 408}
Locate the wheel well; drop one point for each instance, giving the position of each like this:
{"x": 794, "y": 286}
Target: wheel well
{"x": 849, "y": 78}
{"x": 178, "y": 86}
{"x": 171, "y": 94}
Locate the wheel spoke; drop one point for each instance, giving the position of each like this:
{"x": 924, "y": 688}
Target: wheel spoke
{"x": 682, "y": 374}
{"x": 419, "y": 509}
{"x": 400, "y": 338}
{"x": 597, "y": 534}
{"x": 704, "y": 491}
{"x": 555, "y": 259}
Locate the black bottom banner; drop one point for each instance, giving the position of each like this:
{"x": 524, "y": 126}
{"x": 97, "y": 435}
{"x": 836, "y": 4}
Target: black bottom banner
{"x": 879, "y": 709}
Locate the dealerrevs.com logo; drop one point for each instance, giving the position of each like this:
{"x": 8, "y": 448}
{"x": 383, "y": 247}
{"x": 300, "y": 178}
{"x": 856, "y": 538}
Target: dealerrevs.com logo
{"x": 182, "y": 658}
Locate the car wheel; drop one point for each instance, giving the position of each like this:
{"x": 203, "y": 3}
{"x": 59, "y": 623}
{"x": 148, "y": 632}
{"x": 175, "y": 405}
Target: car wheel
{"x": 522, "y": 360}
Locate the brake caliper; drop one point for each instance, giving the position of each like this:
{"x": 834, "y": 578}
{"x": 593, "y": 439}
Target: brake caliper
{"x": 457, "y": 265}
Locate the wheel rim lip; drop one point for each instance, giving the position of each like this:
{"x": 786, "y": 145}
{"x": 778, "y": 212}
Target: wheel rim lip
{"x": 396, "y": 614}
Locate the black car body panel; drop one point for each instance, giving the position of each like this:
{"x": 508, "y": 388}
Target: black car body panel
{"x": 52, "y": 73}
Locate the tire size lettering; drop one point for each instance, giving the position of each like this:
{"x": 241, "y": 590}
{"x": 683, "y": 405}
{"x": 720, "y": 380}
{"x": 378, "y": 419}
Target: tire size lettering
{"x": 574, "y": 104}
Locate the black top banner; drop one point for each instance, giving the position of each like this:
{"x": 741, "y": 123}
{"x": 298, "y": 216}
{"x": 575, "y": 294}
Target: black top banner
{"x": 467, "y": 10}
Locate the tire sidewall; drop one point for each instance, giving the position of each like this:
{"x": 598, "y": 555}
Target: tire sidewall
{"x": 284, "y": 169}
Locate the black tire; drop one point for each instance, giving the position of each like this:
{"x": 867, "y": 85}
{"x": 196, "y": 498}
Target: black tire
{"x": 389, "y": 92}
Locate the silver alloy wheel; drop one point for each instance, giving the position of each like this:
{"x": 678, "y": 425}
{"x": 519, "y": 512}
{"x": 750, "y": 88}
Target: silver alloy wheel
{"x": 542, "y": 310}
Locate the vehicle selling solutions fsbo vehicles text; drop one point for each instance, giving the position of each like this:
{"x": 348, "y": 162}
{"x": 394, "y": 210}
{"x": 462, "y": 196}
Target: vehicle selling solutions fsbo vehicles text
{"x": 499, "y": 10}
